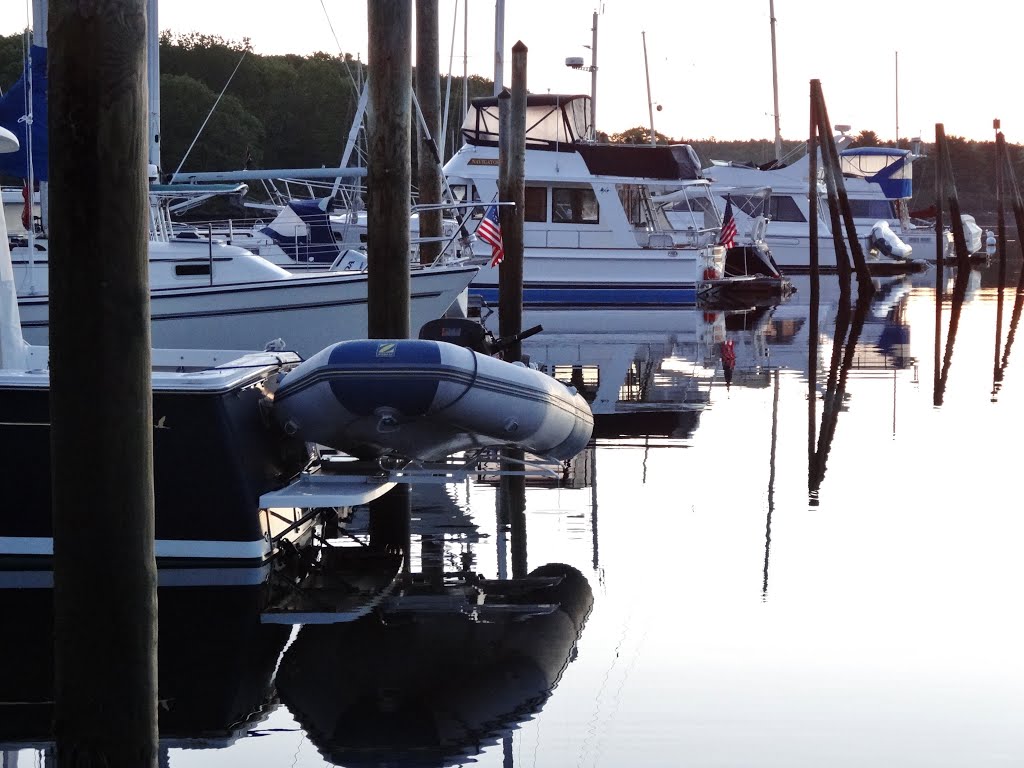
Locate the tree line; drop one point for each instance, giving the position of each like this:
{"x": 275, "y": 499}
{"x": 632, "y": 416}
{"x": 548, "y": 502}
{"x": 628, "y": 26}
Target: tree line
{"x": 291, "y": 111}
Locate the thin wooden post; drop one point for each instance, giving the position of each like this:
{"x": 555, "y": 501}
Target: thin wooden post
{"x": 389, "y": 168}
{"x": 101, "y": 409}
{"x": 812, "y": 320}
{"x": 940, "y": 255}
{"x": 963, "y": 268}
{"x": 864, "y": 285}
{"x": 1018, "y": 218}
{"x": 839, "y": 241}
{"x": 428, "y": 93}
{"x": 1001, "y": 235}
{"x": 389, "y": 522}
{"x": 512, "y": 501}
{"x": 513, "y": 189}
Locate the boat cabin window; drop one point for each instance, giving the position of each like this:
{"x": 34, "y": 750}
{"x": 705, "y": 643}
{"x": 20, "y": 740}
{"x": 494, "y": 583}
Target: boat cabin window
{"x": 751, "y": 205}
{"x": 701, "y": 209}
{"x": 784, "y": 208}
{"x": 191, "y": 270}
{"x": 574, "y": 205}
{"x": 536, "y": 204}
{"x": 872, "y": 209}
{"x": 635, "y": 203}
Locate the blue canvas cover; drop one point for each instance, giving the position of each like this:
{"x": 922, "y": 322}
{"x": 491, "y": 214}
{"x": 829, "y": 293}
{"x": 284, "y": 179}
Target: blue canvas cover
{"x": 12, "y": 117}
{"x": 303, "y": 231}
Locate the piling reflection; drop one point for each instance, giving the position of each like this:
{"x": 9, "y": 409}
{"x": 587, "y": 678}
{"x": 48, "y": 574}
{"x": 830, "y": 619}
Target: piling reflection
{"x": 1006, "y": 170}
{"x": 216, "y": 666}
{"x": 848, "y": 328}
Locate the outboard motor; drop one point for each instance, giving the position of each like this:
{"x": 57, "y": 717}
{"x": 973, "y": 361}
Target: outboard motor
{"x": 468, "y": 333}
{"x": 886, "y": 242}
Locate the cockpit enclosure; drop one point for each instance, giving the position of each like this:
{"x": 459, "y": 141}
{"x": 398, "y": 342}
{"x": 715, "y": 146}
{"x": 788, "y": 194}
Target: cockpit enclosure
{"x": 551, "y": 120}
{"x": 888, "y": 167}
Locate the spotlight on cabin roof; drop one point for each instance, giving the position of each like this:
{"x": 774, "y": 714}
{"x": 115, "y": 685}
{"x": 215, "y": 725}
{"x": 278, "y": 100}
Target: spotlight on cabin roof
{"x": 575, "y": 62}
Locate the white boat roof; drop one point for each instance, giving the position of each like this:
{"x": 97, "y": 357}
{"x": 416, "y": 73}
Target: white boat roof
{"x": 206, "y": 371}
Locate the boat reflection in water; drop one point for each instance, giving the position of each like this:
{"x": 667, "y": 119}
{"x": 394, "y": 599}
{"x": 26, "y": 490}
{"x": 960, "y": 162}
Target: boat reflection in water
{"x": 436, "y": 666}
{"x": 422, "y": 684}
{"x": 216, "y": 667}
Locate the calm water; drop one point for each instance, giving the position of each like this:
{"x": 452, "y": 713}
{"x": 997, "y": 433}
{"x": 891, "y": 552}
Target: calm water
{"x": 716, "y": 612}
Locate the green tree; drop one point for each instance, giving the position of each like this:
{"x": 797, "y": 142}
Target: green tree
{"x": 230, "y": 132}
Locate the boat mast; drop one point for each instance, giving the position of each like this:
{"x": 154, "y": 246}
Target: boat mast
{"x": 465, "y": 61}
{"x": 775, "y": 83}
{"x": 593, "y": 82}
{"x": 897, "y": 98}
{"x": 499, "y": 45}
{"x": 153, "y": 79}
{"x": 650, "y": 104}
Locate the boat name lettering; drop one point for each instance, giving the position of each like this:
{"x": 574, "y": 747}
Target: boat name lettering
{"x": 483, "y": 161}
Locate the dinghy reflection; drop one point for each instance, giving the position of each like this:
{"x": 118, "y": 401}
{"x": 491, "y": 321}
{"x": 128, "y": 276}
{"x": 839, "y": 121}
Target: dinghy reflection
{"x": 429, "y": 685}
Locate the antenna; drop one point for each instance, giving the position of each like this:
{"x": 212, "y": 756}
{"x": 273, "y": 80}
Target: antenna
{"x": 650, "y": 110}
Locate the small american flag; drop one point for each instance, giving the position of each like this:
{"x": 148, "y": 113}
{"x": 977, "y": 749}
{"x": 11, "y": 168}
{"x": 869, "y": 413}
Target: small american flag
{"x": 728, "y": 235}
{"x": 489, "y": 230}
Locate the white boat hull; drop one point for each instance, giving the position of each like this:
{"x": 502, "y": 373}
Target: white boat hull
{"x": 307, "y": 312}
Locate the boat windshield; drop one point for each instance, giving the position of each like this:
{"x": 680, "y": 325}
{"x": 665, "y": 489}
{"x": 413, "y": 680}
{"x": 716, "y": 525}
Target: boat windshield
{"x": 866, "y": 162}
{"x": 551, "y": 120}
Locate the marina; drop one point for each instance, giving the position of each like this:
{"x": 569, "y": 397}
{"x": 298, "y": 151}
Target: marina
{"x": 874, "y": 609}
{"x": 534, "y": 445}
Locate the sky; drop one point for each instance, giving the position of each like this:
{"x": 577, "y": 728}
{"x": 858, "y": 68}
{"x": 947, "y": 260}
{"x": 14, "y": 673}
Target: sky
{"x": 889, "y": 66}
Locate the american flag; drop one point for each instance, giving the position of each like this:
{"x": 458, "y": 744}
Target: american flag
{"x": 489, "y": 230}
{"x": 728, "y": 234}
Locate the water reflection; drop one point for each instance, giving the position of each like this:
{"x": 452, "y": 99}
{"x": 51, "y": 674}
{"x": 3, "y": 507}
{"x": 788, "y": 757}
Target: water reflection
{"x": 216, "y": 666}
{"x": 431, "y": 686}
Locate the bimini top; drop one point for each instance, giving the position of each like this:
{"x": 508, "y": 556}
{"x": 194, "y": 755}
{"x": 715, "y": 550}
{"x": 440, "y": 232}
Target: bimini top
{"x": 561, "y": 123}
{"x": 551, "y": 119}
{"x": 888, "y": 167}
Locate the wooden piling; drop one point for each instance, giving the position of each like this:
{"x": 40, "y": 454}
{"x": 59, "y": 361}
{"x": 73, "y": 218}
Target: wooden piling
{"x": 389, "y": 167}
{"x": 513, "y": 189}
{"x": 390, "y": 521}
{"x": 963, "y": 264}
{"x": 512, "y": 502}
{"x": 1001, "y": 241}
{"x": 940, "y": 256}
{"x": 812, "y": 348}
{"x": 1018, "y": 217}
{"x": 830, "y": 157}
{"x": 101, "y": 410}
{"x": 428, "y": 94}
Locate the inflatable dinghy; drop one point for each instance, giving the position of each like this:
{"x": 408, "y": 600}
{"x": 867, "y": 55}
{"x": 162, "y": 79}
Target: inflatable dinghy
{"x": 426, "y": 400}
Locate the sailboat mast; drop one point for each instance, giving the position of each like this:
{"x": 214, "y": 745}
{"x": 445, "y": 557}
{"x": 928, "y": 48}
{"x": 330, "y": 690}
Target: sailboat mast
{"x": 775, "y": 83}
{"x": 499, "y": 45}
{"x": 897, "y": 98}
{"x": 593, "y": 82}
{"x": 465, "y": 60}
{"x": 153, "y": 79}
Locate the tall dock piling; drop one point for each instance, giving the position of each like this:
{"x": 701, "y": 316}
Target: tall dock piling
{"x": 101, "y": 410}
{"x": 389, "y": 169}
{"x": 512, "y": 188}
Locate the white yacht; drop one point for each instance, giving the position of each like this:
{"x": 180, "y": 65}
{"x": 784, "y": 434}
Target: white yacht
{"x": 879, "y": 182}
{"x": 212, "y": 295}
{"x": 593, "y": 233}
{"x": 879, "y": 185}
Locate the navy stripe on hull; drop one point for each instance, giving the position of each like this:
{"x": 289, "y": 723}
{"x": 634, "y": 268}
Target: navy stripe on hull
{"x": 563, "y": 295}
